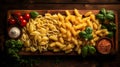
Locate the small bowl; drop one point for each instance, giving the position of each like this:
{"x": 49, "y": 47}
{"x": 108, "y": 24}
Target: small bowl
{"x": 104, "y": 45}
{"x": 16, "y": 36}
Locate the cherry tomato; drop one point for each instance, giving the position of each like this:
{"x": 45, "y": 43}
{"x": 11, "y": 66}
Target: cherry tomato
{"x": 17, "y": 14}
{"x": 20, "y": 18}
{"x": 27, "y": 16}
{"x": 11, "y": 21}
{"x": 23, "y": 22}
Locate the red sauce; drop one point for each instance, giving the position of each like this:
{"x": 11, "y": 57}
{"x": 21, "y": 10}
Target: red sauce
{"x": 104, "y": 46}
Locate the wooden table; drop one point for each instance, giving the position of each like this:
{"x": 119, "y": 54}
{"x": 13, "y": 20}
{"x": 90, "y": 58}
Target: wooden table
{"x": 59, "y": 61}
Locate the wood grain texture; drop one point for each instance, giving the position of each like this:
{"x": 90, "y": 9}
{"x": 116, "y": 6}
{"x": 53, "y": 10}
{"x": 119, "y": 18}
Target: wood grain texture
{"x": 61, "y": 1}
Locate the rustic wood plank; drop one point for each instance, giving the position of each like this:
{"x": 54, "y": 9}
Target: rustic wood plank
{"x": 59, "y": 6}
{"x": 60, "y": 1}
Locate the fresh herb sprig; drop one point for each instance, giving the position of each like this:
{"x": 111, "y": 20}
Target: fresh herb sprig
{"x": 87, "y": 48}
{"x": 107, "y": 19}
{"x": 104, "y": 15}
{"x": 13, "y": 47}
{"x": 86, "y": 34}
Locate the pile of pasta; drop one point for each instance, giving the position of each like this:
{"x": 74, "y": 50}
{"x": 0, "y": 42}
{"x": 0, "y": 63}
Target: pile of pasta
{"x": 60, "y": 33}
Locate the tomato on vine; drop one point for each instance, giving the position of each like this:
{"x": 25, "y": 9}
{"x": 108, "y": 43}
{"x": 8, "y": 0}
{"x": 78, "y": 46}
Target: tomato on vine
{"x": 11, "y": 21}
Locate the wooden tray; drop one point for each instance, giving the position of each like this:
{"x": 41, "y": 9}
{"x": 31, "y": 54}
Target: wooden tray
{"x": 115, "y": 39}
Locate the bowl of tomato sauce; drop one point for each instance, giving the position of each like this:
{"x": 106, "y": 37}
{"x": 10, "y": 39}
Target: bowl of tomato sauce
{"x": 104, "y": 45}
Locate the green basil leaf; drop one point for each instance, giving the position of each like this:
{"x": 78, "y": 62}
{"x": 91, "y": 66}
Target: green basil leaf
{"x": 88, "y": 30}
{"x": 110, "y": 12}
{"x": 110, "y": 34}
{"x": 34, "y": 14}
{"x": 84, "y": 51}
{"x": 103, "y": 11}
{"x": 100, "y": 16}
{"x": 110, "y": 17}
{"x": 92, "y": 49}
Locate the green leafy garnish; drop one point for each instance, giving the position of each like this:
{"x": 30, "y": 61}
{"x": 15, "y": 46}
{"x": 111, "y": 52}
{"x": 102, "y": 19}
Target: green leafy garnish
{"x": 13, "y": 47}
{"x": 88, "y": 49}
{"x": 88, "y": 30}
{"x": 84, "y": 51}
{"x": 109, "y": 16}
{"x": 112, "y": 26}
{"x": 87, "y": 34}
{"x": 103, "y": 27}
{"x": 103, "y": 11}
{"x": 105, "y": 15}
{"x": 34, "y": 14}
{"x": 100, "y": 16}
{"x": 92, "y": 49}
{"x": 110, "y": 12}
{"x": 110, "y": 34}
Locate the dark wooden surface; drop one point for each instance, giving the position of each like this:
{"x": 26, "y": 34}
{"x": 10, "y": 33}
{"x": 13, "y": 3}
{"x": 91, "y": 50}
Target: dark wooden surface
{"x": 59, "y": 61}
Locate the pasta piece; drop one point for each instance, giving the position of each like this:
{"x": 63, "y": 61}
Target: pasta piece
{"x": 68, "y": 25}
{"x": 64, "y": 35}
{"x": 24, "y": 37}
{"x": 94, "y": 35}
{"x": 63, "y": 30}
{"x": 45, "y": 38}
{"x": 33, "y": 49}
{"x": 96, "y": 38}
{"x": 27, "y": 43}
{"x": 53, "y": 37}
{"x": 43, "y": 30}
{"x": 68, "y": 34}
{"x": 99, "y": 26}
{"x": 72, "y": 19}
{"x": 79, "y": 19}
{"x": 74, "y": 41}
{"x": 92, "y": 17}
{"x": 56, "y": 50}
{"x": 61, "y": 40}
{"x": 95, "y": 27}
{"x": 68, "y": 13}
{"x": 68, "y": 51}
{"x": 77, "y": 13}
{"x": 59, "y": 23}
{"x": 61, "y": 17}
{"x": 61, "y": 46}
{"x": 43, "y": 43}
{"x": 27, "y": 49}
{"x": 84, "y": 20}
{"x": 106, "y": 33}
{"x": 68, "y": 47}
{"x": 80, "y": 42}
{"x": 90, "y": 24}
{"x": 79, "y": 51}
{"x": 35, "y": 33}
{"x": 73, "y": 31}
{"x": 80, "y": 26}
{"x": 103, "y": 30}
{"x": 52, "y": 44}
{"x": 98, "y": 32}
{"x": 63, "y": 25}
{"x": 31, "y": 28}
{"x": 88, "y": 13}
{"x": 69, "y": 39}
{"x": 67, "y": 18}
